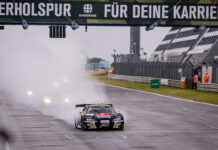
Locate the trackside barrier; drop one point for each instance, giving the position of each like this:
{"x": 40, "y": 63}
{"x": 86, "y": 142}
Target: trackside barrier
{"x": 172, "y": 83}
{"x": 168, "y": 82}
{"x": 208, "y": 87}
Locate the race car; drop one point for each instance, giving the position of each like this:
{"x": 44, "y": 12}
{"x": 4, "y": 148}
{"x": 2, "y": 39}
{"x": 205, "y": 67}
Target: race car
{"x": 96, "y": 116}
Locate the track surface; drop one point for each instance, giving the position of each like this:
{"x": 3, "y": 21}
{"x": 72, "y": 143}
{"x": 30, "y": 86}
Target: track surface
{"x": 153, "y": 123}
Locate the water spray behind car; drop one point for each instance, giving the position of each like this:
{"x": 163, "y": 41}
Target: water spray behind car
{"x": 47, "y": 74}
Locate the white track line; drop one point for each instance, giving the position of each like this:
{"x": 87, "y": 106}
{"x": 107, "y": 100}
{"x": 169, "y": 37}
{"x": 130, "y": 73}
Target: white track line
{"x": 181, "y": 99}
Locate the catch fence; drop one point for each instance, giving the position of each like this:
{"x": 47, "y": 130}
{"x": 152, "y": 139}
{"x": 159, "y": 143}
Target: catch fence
{"x": 215, "y": 73}
{"x": 168, "y": 70}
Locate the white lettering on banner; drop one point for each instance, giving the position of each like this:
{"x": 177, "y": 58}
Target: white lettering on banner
{"x": 195, "y": 12}
{"x": 201, "y": 12}
{"x": 156, "y": 11}
{"x": 111, "y": 10}
{"x": 165, "y": 12}
{"x": 32, "y": 9}
{"x": 26, "y": 9}
{"x": 150, "y": 11}
{"x": 185, "y": 13}
{"x": 2, "y": 8}
{"x": 136, "y": 11}
{"x": 144, "y": 11}
{"x": 58, "y": 10}
{"x": 18, "y": 9}
{"x": 107, "y": 10}
{"x": 213, "y": 12}
{"x": 176, "y": 14}
{"x": 115, "y": 11}
{"x": 123, "y": 11}
{"x": 50, "y": 7}
{"x": 67, "y": 8}
{"x": 9, "y": 10}
{"x": 192, "y": 13}
{"x": 41, "y": 9}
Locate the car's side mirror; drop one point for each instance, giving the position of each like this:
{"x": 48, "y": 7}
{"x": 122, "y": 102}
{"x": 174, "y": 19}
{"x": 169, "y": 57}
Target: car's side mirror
{"x": 81, "y": 111}
{"x": 118, "y": 111}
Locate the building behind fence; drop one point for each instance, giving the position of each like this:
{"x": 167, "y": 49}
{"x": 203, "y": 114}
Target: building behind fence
{"x": 98, "y": 65}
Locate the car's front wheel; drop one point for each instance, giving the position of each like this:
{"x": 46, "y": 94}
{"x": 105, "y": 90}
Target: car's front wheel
{"x": 122, "y": 126}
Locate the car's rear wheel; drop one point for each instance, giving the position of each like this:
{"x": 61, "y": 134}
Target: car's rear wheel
{"x": 76, "y": 126}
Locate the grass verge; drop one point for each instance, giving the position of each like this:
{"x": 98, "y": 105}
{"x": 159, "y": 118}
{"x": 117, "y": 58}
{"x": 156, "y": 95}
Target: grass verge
{"x": 207, "y": 97}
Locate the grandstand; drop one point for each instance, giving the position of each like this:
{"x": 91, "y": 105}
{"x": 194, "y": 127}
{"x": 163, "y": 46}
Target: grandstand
{"x": 180, "y": 49}
{"x": 187, "y": 45}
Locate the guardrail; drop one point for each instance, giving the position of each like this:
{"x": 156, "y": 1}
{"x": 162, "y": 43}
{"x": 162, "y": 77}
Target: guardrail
{"x": 168, "y": 82}
{"x": 208, "y": 87}
{"x": 174, "y": 83}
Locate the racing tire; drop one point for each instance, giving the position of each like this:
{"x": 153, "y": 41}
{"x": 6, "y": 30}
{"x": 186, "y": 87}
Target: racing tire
{"x": 122, "y": 126}
{"x": 75, "y": 125}
{"x": 82, "y": 126}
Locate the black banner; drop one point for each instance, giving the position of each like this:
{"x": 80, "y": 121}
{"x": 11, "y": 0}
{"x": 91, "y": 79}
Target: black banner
{"x": 105, "y": 13}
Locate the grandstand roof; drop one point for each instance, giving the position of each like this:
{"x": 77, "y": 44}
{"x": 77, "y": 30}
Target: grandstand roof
{"x": 188, "y": 45}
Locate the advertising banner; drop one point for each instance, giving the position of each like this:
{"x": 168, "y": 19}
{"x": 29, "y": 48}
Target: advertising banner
{"x": 110, "y": 12}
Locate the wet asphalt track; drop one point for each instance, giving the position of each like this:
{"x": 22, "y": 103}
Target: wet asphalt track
{"x": 153, "y": 123}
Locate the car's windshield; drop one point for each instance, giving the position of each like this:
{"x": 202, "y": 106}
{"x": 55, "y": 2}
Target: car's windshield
{"x": 95, "y": 110}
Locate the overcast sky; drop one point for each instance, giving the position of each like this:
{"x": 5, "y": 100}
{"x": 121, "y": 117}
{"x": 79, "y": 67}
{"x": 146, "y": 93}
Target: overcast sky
{"x": 97, "y": 42}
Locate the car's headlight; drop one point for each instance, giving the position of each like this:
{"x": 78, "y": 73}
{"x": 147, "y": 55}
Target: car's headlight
{"x": 47, "y": 100}
{"x": 66, "y": 100}
{"x": 29, "y": 93}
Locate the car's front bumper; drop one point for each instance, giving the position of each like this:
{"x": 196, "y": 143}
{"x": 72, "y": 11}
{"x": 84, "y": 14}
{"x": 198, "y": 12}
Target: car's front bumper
{"x": 98, "y": 125}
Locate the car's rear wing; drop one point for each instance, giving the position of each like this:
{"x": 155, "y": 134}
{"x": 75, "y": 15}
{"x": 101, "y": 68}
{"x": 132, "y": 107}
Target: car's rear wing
{"x": 84, "y": 105}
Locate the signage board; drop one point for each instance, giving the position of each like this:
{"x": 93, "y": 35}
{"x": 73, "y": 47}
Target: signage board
{"x": 105, "y": 12}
